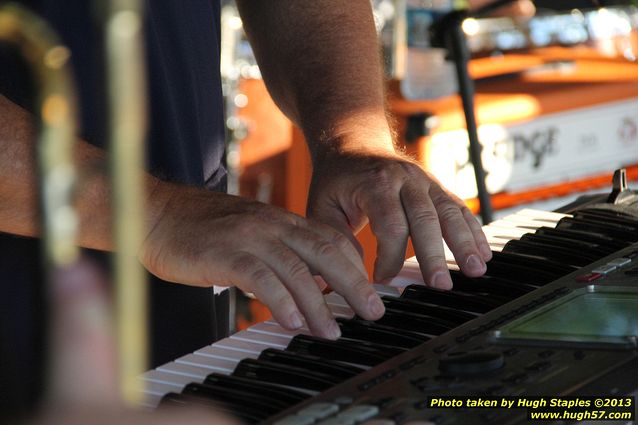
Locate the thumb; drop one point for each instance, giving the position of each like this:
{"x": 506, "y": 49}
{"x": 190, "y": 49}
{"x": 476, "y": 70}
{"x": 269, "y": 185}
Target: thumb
{"x": 82, "y": 360}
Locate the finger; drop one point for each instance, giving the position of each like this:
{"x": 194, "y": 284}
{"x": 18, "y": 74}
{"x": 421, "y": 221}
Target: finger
{"x": 426, "y": 236}
{"x": 390, "y": 226}
{"x": 337, "y": 219}
{"x": 458, "y": 234}
{"x": 479, "y": 236}
{"x": 296, "y": 276}
{"x": 250, "y": 274}
{"x": 345, "y": 242}
{"x": 83, "y": 367}
{"x": 475, "y": 227}
{"x": 344, "y": 277}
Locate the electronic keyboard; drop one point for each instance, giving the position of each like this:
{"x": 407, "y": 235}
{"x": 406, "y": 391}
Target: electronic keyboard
{"x": 556, "y": 314}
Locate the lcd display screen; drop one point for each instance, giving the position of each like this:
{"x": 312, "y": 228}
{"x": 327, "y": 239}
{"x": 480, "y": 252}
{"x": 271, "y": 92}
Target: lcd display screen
{"x": 607, "y": 315}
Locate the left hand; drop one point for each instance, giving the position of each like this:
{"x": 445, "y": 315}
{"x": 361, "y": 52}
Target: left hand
{"x": 399, "y": 199}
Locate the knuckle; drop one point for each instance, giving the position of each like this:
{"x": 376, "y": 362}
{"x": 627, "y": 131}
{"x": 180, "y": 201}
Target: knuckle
{"x": 448, "y": 210}
{"x": 340, "y": 240}
{"x": 424, "y": 217}
{"x": 386, "y": 175}
{"x": 251, "y": 269}
{"x": 395, "y": 230}
{"x": 297, "y": 270}
{"x": 324, "y": 248}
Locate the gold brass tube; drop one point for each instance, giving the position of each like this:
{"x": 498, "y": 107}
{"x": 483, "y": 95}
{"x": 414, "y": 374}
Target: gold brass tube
{"x": 127, "y": 114}
{"x": 56, "y": 112}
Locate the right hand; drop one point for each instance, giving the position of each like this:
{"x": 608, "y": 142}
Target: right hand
{"x": 204, "y": 238}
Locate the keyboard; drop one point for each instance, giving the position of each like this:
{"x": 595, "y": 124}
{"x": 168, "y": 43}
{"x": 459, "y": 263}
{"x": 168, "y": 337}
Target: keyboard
{"x": 431, "y": 341}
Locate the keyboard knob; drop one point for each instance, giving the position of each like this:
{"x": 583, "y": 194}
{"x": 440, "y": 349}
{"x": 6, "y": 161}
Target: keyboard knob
{"x": 471, "y": 363}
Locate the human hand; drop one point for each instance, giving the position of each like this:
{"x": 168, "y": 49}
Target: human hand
{"x": 399, "y": 199}
{"x": 203, "y": 238}
{"x": 82, "y": 386}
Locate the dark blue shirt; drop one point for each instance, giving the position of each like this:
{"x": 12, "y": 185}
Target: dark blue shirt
{"x": 185, "y": 144}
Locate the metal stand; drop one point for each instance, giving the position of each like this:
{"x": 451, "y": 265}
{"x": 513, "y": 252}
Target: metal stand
{"x": 453, "y": 37}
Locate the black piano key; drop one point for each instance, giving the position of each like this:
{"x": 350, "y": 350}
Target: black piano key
{"x": 376, "y": 333}
{"x": 174, "y": 400}
{"x": 546, "y": 266}
{"x": 616, "y": 231}
{"x": 351, "y": 351}
{"x": 314, "y": 363}
{"x": 607, "y": 216}
{"x": 450, "y": 314}
{"x": 286, "y": 395}
{"x": 595, "y": 250}
{"x": 549, "y": 251}
{"x": 526, "y": 269}
{"x": 508, "y": 289}
{"x": 608, "y": 243}
{"x": 237, "y": 399}
{"x": 452, "y": 299}
{"x": 415, "y": 322}
{"x": 277, "y": 373}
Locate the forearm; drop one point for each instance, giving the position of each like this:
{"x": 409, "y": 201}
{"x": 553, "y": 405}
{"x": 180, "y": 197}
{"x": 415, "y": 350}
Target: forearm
{"x": 19, "y": 211}
{"x": 321, "y": 63}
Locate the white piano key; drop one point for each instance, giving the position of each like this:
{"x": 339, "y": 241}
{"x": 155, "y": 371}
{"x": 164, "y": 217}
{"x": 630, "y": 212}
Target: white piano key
{"x": 224, "y": 353}
{"x": 240, "y": 345}
{"x": 520, "y": 220}
{"x": 274, "y": 329}
{"x": 506, "y": 233}
{"x": 335, "y": 299}
{"x": 211, "y": 363}
{"x": 496, "y": 244}
{"x": 155, "y": 391}
{"x": 386, "y": 290}
{"x": 303, "y": 329}
{"x": 410, "y": 274}
{"x": 341, "y": 311}
{"x": 170, "y": 379}
{"x": 262, "y": 339}
{"x": 160, "y": 388}
{"x": 544, "y": 215}
{"x": 196, "y": 372}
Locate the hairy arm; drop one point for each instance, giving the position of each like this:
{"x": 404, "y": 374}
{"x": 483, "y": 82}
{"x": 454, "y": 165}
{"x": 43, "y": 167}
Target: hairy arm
{"x": 19, "y": 212}
{"x": 321, "y": 63}
{"x": 322, "y": 66}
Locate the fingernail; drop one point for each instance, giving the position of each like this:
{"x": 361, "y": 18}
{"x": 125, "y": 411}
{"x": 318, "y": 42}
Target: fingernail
{"x": 441, "y": 280}
{"x": 474, "y": 263}
{"x": 295, "y": 320}
{"x": 333, "y": 330}
{"x": 375, "y": 305}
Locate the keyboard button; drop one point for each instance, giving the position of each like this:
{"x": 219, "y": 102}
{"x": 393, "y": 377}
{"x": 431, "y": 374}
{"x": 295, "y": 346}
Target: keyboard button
{"x": 607, "y": 268}
{"x": 619, "y": 262}
{"x": 295, "y": 420}
{"x": 360, "y": 412}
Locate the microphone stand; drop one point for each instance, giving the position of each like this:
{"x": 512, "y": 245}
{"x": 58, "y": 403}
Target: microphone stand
{"x": 449, "y": 33}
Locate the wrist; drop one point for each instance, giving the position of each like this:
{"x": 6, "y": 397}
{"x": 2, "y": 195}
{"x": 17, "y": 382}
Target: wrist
{"x": 358, "y": 134}
{"x": 158, "y": 195}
